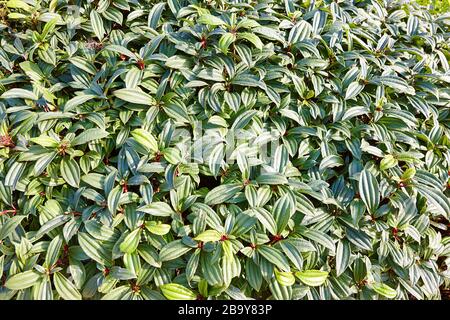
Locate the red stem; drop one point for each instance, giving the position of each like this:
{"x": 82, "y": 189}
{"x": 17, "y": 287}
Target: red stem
{"x": 8, "y": 211}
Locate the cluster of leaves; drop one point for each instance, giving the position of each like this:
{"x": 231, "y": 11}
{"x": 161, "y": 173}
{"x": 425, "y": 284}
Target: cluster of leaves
{"x": 98, "y": 201}
{"x": 435, "y": 6}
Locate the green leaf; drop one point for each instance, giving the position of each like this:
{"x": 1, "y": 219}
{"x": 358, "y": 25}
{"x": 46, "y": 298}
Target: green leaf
{"x": 269, "y": 33}
{"x": 43, "y": 163}
{"x": 173, "y": 250}
{"x": 384, "y": 290}
{"x": 18, "y": 4}
{"x": 280, "y": 292}
{"x": 225, "y": 41}
{"x": 134, "y": 96}
{"x": 359, "y": 238}
{"x": 65, "y": 288}
{"x": 388, "y": 162}
{"x": 18, "y": 93}
{"x": 210, "y": 20}
{"x": 285, "y": 278}
{"x": 343, "y": 253}
{"x": 49, "y": 27}
{"x": 149, "y": 254}
{"x": 397, "y": 83}
{"x": 114, "y": 199}
{"x": 353, "y": 90}
{"x": 331, "y": 161}
{"x": 45, "y": 141}
{"x": 53, "y": 251}
{"x": 253, "y": 38}
{"x": 9, "y": 226}
{"x": 179, "y": 62}
{"x": 146, "y": 139}
{"x": 209, "y": 235}
{"x": 77, "y": 101}
{"x": 175, "y": 291}
{"x": 244, "y": 223}
{"x": 355, "y": 112}
{"x": 282, "y": 211}
{"x": 312, "y": 278}
{"x": 70, "y": 171}
{"x": 14, "y": 174}
{"x": 274, "y": 256}
{"x": 97, "y": 24}
{"x": 222, "y": 193}
{"x": 300, "y": 32}
{"x": 89, "y": 135}
{"x": 94, "y": 249}
{"x": 293, "y": 253}
{"x": 211, "y": 75}
{"x": 157, "y": 228}
{"x": 272, "y": 179}
{"x": 155, "y": 15}
{"x": 120, "y": 50}
{"x": 320, "y": 237}
{"x": 131, "y": 241}
{"x": 436, "y": 200}
{"x": 121, "y": 273}
{"x": 192, "y": 265}
{"x": 409, "y": 173}
{"x": 369, "y": 190}
{"x": 172, "y": 155}
{"x": 158, "y": 209}
{"x": 247, "y": 80}
{"x": 266, "y": 219}
{"x": 23, "y": 280}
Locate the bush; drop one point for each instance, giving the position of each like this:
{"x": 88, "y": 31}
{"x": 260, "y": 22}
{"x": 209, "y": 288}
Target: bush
{"x": 219, "y": 150}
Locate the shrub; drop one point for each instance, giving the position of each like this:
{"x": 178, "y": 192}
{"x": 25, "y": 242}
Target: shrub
{"x": 224, "y": 150}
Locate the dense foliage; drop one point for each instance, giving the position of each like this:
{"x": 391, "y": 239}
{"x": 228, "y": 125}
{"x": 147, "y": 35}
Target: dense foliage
{"x": 224, "y": 150}
{"x": 435, "y": 6}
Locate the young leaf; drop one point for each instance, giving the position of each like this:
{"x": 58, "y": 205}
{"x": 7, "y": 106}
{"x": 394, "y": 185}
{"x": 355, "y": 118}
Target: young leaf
{"x": 312, "y": 278}
{"x": 131, "y": 241}
{"x": 175, "y": 291}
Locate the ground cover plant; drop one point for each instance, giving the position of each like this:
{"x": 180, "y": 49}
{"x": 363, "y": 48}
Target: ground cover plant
{"x": 224, "y": 150}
